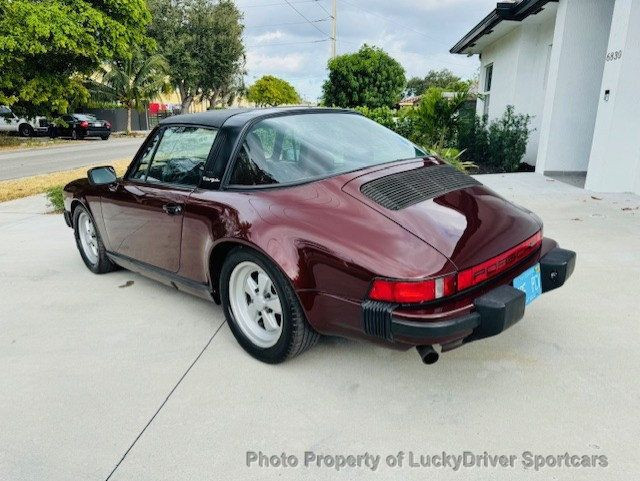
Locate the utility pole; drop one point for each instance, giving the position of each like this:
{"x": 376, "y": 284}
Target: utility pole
{"x": 334, "y": 27}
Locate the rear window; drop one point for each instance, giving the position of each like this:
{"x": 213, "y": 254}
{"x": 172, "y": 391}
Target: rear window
{"x": 87, "y": 117}
{"x": 303, "y": 147}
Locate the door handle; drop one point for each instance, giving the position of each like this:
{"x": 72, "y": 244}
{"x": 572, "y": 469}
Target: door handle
{"x": 172, "y": 209}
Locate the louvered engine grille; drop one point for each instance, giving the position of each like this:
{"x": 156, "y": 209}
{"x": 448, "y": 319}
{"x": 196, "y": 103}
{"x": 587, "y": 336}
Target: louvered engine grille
{"x": 397, "y": 191}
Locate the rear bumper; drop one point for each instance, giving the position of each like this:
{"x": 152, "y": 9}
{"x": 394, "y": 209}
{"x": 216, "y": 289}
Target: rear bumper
{"x": 493, "y": 312}
{"x": 97, "y": 132}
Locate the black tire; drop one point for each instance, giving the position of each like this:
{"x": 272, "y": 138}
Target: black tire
{"x": 297, "y": 335}
{"x": 104, "y": 137}
{"x": 74, "y": 134}
{"x": 103, "y": 264}
{"x": 25, "y": 130}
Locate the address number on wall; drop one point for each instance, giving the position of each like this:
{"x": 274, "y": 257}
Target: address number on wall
{"x": 615, "y": 55}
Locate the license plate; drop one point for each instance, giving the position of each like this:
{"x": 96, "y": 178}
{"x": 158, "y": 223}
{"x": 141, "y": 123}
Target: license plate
{"x": 529, "y": 283}
{"x": 98, "y": 124}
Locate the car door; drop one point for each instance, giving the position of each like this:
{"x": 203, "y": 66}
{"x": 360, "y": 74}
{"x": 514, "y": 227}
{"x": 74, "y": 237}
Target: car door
{"x": 8, "y": 121}
{"x": 143, "y": 212}
{"x": 65, "y": 130}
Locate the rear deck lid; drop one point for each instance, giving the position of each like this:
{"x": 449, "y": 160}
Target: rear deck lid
{"x": 451, "y": 211}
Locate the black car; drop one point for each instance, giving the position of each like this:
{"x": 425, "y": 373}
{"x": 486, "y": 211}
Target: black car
{"x": 80, "y": 126}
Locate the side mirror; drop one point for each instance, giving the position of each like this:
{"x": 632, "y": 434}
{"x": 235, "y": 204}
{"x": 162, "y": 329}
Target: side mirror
{"x": 102, "y": 175}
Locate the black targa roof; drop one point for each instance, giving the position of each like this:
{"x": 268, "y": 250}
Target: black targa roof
{"x": 216, "y": 118}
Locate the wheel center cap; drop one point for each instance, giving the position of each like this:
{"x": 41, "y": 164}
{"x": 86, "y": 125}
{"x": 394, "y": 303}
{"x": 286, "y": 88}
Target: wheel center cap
{"x": 260, "y": 303}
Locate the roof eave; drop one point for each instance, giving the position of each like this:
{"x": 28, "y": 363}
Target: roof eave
{"x": 503, "y": 11}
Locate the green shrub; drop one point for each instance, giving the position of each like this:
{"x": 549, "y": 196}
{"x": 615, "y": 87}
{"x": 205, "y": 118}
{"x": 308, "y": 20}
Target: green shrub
{"x": 437, "y": 116}
{"x": 508, "y": 137}
{"x": 383, "y": 115}
{"x": 497, "y": 147}
{"x": 54, "y": 195}
{"x": 473, "y": 138}
{"x": 452, "y": 156}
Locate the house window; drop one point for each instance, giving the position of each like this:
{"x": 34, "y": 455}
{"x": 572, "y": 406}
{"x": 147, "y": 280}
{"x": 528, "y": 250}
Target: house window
{"x": 488, "y": 77}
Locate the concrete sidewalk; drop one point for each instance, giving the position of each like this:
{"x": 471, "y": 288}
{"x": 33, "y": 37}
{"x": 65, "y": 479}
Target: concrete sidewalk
{"x": 146, "y": 383}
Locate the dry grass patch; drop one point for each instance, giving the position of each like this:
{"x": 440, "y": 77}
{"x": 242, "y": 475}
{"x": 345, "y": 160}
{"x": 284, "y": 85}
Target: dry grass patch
{"x": 18, "y": 188}
{"x": 9, "y": 142}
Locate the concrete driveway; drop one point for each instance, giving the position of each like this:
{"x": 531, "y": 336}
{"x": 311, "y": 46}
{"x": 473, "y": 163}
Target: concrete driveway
{"x": 101, "y": 381}
{"x": 28, "y": 162}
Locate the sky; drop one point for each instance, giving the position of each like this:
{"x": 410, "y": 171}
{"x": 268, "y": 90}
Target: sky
{"x": 417, "y": 33}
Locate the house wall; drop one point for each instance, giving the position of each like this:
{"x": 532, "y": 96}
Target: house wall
{"x": 615, "y": 154}
{"x": 575, "y": 75}
{"x": 520, "y": 64}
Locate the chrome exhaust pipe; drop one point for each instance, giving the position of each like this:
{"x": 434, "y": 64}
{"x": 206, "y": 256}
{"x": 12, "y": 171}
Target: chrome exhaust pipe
{"x": 428, "y": 354}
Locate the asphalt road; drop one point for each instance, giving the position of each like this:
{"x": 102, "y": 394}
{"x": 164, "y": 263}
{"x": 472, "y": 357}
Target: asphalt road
{"x": 25, "y": 163}
{"x": 103, "y": 379}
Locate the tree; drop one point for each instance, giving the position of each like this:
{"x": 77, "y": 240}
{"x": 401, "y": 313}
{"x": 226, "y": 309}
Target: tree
{"x": 443, "y": 79}
{"x": 132, "y": 81}
{"x": 272, "y": 91}
{"x": 47, "y": 47}
{"x": 367, "y": 78}
{"x": 202, "y": 42}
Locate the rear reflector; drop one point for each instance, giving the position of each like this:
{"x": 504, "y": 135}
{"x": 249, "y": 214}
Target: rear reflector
{"x": 412, "y": 292}
{"x": 497, "y": 265}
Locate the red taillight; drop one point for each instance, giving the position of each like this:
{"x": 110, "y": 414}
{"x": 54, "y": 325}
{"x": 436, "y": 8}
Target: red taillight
{"x": 84, "y": 124}
{"x": 408, "y": 292}
{"x": 108, "y": 124}
{"x": 405, "y": 292}
{"x": 491, "y": 268}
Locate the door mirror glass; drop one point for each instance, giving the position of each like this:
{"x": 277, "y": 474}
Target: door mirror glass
{"x": 102, "y": 175}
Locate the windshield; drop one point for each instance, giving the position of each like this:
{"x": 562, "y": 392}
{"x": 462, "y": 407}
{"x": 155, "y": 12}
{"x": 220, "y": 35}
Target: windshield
{"x": 303, "y": 147}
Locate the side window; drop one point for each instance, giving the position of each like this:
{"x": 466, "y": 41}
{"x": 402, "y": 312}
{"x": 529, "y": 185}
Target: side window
{"x": 143, "y": 166}
{"x": 488, "y": 78}
{"x": 181, "y": 154}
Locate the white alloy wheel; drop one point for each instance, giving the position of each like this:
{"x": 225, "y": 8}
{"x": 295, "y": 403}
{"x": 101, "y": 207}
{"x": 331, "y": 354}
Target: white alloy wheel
{"x": 88, "y": 239}
{"x": 255, "y": 304}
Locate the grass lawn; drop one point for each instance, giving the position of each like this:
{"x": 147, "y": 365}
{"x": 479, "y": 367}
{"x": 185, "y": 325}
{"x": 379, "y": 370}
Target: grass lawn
{"x": 52, "y": 183}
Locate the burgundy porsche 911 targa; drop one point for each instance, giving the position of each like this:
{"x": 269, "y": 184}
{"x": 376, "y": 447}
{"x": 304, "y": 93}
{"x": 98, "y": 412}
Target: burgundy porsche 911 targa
{"x": 303, "y": 222}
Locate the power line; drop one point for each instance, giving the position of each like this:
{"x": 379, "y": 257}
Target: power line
{"x": 287, "y": 23}
{"x": 396, "y": 22}
{"x": 274, "y": 4}
{"x": 309, "y": 21}
{"x": 287, "y": 43}
{"x": 322, "y": 7}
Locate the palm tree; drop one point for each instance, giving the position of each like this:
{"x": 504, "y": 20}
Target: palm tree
{"x": 132, "y": 81}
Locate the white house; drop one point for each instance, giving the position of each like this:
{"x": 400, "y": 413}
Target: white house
{"x": 574, "y": 65}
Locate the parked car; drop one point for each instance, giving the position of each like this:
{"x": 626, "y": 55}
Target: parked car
{"x": 80, "y": 126}
{"x": 10, "y": 122}
{"x": 303, "y": 222}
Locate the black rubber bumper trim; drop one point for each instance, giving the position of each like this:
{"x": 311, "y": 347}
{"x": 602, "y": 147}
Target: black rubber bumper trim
{"x": 436, "y": 329}
{"x": 494, "y": 312}
{"x": 556, "y": 267}
{"x": 67, "y": 218}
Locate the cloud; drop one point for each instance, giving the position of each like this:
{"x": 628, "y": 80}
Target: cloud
{"x": 418, "y": 33}
{"x": 261, "y": 62}
{"x": 268, "y": 37}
